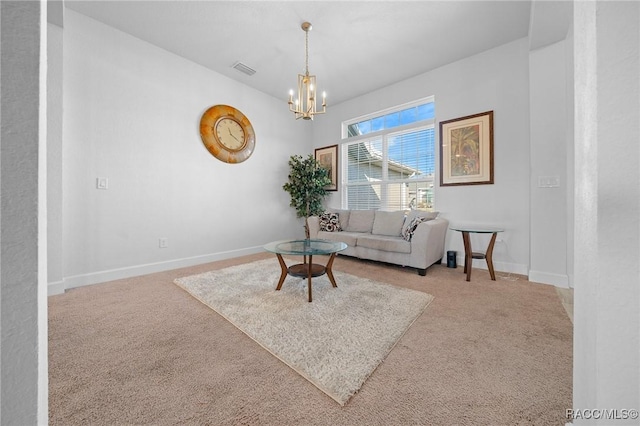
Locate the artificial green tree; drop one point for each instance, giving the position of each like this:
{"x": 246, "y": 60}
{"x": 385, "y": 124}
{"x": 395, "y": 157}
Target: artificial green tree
{"x": 306, "y": 185}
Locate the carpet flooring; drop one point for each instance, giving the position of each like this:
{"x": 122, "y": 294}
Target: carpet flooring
{"x": 143, "y": 351}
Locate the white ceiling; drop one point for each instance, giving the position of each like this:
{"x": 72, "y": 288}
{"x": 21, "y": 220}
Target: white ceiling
{"x": 355, "y": 47}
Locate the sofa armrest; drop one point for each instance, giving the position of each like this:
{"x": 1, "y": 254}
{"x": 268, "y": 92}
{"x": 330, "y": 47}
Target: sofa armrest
{"x": 427, "y": 243}
{"x": 313, "y": 222}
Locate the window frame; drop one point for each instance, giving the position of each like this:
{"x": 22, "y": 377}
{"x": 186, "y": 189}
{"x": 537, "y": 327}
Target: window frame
{"x": 385, "y": 135}
{"x": 382, "y": 113}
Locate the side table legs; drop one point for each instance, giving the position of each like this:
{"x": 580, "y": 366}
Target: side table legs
{"x": 488, "y": 256}
{"x": 469, "y": 255}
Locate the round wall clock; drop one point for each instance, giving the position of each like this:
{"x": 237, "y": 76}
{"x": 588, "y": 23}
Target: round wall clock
{"x": 227, "y": 134}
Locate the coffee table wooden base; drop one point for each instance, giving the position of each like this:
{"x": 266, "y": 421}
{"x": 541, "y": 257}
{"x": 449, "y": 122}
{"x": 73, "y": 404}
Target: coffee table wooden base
{"x": 306, "y": 270}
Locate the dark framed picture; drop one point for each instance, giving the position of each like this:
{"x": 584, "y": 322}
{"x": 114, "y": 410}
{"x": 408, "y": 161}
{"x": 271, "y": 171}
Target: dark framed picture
{"x": 328, "y": 158}
{"x": 466, "y": 150}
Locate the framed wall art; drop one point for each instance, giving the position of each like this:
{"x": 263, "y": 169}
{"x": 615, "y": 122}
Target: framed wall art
{"x": 466, "y": 150}
{"x": 328, "y": 158}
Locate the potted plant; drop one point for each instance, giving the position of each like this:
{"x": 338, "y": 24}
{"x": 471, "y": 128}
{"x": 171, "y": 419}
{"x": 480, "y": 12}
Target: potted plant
{"x": 306, "y": 185}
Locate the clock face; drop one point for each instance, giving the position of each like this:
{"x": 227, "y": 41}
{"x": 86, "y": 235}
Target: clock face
{"x": 230, "y": 133}
{"x": 227, "y": 134}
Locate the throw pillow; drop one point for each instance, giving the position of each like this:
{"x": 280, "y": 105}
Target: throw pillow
{"x": 330, "y": 222}
{"x": 343, "y": 216}
{"x": 407, "y": 233}
{"x": 417, "y": 213}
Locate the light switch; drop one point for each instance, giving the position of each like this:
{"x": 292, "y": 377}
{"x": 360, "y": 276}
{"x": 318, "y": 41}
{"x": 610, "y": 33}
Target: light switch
{"x": 548, "y": 181}
{"x": 102, "y": 183}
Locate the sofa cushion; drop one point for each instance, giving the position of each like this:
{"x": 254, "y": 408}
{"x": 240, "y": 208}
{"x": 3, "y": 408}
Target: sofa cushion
{"x": 360, "y": 221}
{"x": 343, "y": 215}
{"x": 384, "y": 243}
{"x": 330, "y": 222}
{"x": 349, "y": 238}
{"x": 388, "y": 223}
{"x": 417, "y": 213}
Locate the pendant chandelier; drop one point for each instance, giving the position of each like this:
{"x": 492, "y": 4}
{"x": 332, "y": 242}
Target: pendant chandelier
{"x": 304, "y": 105}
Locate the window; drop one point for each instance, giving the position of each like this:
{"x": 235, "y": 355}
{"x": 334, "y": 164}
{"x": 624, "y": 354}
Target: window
{"x": 388, "y": 159}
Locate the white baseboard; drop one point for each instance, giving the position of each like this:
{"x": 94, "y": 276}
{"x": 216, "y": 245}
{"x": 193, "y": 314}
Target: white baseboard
{"x": 557, "y": 280}
{"x": 81, "y": 280}
{"x": 55, "y": 288}
{"x": 512, "y": 268}
{"x": 133, "y": 271}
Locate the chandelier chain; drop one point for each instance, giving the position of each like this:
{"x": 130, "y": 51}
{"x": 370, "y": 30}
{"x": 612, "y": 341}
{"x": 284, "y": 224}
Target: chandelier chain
{"x": 306, "y": 51}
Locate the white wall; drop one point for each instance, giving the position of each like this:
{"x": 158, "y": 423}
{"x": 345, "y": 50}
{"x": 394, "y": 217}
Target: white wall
{"x": 570, "y": 142}
{"x": 549, "y": 125}
{"x": 131, "y": 114}
{"x": 493, "y": 80}
{"x": 23, "y": 236}
{"x": 54, "y": 158}
{"x": 607, "y": 208}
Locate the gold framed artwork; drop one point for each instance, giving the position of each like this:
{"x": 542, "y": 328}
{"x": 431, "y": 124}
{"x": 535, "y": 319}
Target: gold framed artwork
{"x": 328, "y": 158}
{"x": 466, "y": 150}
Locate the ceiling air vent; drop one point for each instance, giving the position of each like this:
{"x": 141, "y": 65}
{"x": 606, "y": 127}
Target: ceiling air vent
{"x": 243, "y": 68}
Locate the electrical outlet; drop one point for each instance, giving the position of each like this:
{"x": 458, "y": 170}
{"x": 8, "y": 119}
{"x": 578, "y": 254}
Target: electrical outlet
{"x": 102, "y": 183}
{"x": 163, "y": 242}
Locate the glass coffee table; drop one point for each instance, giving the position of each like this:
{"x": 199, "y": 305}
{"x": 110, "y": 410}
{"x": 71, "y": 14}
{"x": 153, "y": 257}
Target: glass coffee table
{"x": 305, "y": 248}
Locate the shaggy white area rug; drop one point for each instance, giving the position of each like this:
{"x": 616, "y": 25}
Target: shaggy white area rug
{"x": 335, "y": 342}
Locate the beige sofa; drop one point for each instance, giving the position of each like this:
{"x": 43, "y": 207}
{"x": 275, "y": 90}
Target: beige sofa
{"x": 415, "y": 239}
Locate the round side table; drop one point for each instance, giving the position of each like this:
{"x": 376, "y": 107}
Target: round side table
{"x": 469, "y": 254}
